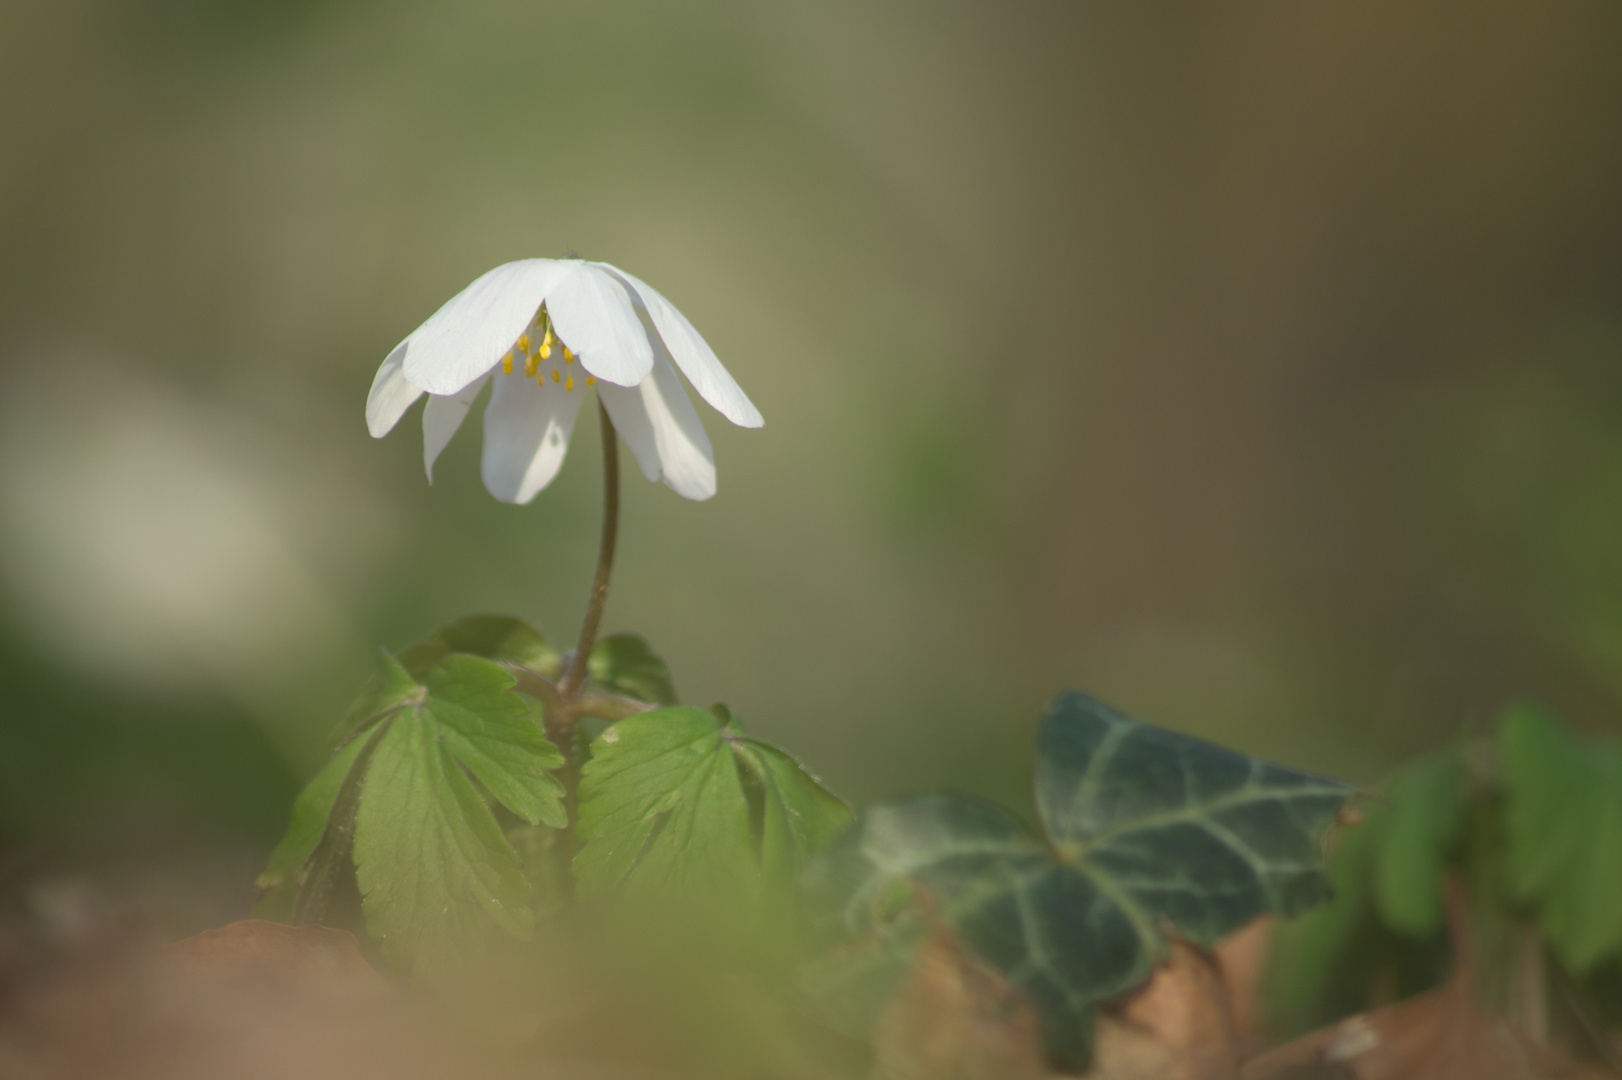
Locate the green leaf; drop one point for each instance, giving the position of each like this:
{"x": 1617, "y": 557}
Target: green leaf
{"x": 847, "y": 988}
{"x": 1144, "y": 828}
{"x": 539, "y": 849}
{"x": 390, "y": 687}
{"x": 665, "y": 804}
{"x": 798, "y": 816}
{"x": 624, "y": 664}
{"x": 1564, "y": 823}
{"x": 494, "y": 637}
{"x": 661, "y": 799}
{"x": 279, "y": 884}
{"x": 488, "y": 729}
{"x": 331, "y": 866}
{"x": 432, "y": 864}
{"x": 1417, "y": 832}
{"x": 1307, "y": 968}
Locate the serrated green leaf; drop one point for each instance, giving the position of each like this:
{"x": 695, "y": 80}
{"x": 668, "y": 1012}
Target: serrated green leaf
{"x": 494, "y": 637}
{"x": 672, "y": 799}
{"x": 1145, "y": 827}
{"x": 1564, "y": 823}
{"x": 433, "y": 867}
{"x": 331, "y": 865}
{"x": 488, "y": 729}
{"x": 798, "y": 816}
{"x": 539, "y": 850}
{"x": 389, "y": 687}
{"x": 624, "y": 664}
{"x": 278, "y": 885}
{"x": 661, "y": 801}
{"x": 1416, "y": 833}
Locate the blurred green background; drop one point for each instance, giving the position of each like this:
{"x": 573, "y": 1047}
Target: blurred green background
{"x": 1254, "y": 366}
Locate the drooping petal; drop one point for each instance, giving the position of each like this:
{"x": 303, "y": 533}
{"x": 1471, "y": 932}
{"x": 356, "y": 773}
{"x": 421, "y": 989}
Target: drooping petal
{"x": 391, "y": 394}
{"x": 593, "y": 315}
{"x": 465, "y": 338}
{"x": 440, "y": 419}
{"x": 663, "y": 432}
{"x": 526, "y": 434}
{"x": 693, "y": 354}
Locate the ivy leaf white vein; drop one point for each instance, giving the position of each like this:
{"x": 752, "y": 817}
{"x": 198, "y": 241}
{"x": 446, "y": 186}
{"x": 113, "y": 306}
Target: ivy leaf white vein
{"x": 1148, "y": 832}
{"x": 544, "y": 332}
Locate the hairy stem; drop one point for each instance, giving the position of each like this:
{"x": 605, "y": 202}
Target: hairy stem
{"x": 575, "y": 678}
{"x": 566, "y": 703}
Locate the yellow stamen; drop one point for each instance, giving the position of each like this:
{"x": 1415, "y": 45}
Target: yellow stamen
{"x": 523, "y": 344}
{"x": 507, "y": 364}
{"x": 568, "y": 384}
{"x": 529, "y": 367}
{"x": 568, "y": 357}
{"x": 555, "y": 376}
{"x": 546, "y": 352}
{"x": 591, "y": 380}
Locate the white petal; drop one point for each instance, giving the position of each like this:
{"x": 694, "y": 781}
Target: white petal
{"x": 693, "y": 355}
{"x": 465, "y": 338}
{"x": 663, "y": 432}
{"x": 440, "y": 419}
{"x": 593, "y": 315}
{"x": 391, "y": 394}
{"x": 526, "y": 434}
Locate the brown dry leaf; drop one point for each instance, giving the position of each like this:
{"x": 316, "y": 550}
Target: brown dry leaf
{"x": 953, "y": 1018}
{"x": 1179, "y": 1026}
{"x": 1442, "y": 1035}
{"x": 1242, "y": 957}
{"x": 251, "y": 1000}
{"x": 253, "y": 953}
{"x": 956, "y": 1019}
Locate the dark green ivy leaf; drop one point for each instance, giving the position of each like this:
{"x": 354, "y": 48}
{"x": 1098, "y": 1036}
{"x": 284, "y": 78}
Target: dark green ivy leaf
{"x": 1564, "y": 822}
{"x": 1145, "y": 828}
{"x": 1202, "y": 835}
{"x": 624, "y": 664}
{"x": 665, "y": 803}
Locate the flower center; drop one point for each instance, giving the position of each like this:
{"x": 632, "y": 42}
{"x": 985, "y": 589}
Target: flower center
{"x": 544, "y": 356}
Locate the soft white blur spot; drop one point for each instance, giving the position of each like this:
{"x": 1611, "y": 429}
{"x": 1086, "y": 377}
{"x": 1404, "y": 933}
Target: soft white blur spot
{"x": 145, "y": 535}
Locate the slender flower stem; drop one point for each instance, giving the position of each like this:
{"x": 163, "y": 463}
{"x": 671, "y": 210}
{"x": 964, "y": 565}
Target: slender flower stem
{"x": 568, "y": 703}
{"x": 575, "y": 678}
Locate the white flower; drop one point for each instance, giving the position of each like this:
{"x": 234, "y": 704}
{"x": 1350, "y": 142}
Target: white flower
{"x": 532, "y": 326}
